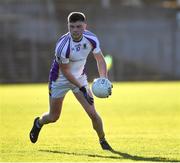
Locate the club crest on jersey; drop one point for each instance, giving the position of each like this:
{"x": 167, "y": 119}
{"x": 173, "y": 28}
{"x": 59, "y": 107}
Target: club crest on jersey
{"x": 84, "y": 46}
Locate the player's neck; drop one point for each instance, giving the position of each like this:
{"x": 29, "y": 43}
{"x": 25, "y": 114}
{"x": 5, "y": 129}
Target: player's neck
{"x": 77, "y": 39}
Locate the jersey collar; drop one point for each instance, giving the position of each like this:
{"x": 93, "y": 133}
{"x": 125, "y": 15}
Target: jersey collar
{"x": 77, "y": 40}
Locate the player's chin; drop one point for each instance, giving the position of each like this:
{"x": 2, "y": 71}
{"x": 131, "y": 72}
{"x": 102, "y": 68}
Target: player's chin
{"x": 77, "y": 36}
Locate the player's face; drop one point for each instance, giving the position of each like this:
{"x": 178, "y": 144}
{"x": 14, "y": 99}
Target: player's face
{"x": 76, "y": 29}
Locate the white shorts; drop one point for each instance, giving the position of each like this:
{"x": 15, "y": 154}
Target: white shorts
{"x": 59, "y": 88}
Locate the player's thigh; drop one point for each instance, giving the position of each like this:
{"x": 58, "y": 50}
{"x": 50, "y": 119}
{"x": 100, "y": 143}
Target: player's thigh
{"x": 55, "y": 105}
{"x": 57, "y": 91}
{"x": 90, "y": 109}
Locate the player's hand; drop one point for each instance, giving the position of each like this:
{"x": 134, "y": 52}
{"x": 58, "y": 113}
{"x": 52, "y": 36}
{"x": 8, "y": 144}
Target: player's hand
{"x": 89, "y": 99}
{"x": 110, "y": 90}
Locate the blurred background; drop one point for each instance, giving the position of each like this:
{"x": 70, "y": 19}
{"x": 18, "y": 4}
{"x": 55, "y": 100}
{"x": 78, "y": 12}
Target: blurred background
{"x": 140, "y": 37}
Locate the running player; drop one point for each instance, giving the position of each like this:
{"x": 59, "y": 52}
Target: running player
{"x": 67, "y": 73}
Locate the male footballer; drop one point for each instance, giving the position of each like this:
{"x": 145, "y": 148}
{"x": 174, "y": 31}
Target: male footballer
{"x": 67, "y": 73}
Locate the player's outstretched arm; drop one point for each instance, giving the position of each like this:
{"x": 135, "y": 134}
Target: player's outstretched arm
{"x": 101, "y": 64}
{"x": 102, "y": 68}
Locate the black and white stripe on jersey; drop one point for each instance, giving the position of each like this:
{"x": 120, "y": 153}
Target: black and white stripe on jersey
{"x": 62, "y": 42}
{"x": 62, "y": 37}
{"x": 92, "y": 40}
{"x": 86, "y": 32}
{"x": 68, "y": 49}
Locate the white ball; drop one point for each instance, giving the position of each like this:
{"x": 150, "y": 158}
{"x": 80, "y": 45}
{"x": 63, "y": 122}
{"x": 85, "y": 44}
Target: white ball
{"x": 101, "y": 87}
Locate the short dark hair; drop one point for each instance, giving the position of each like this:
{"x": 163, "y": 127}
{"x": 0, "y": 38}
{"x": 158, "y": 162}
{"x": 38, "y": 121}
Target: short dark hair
{"x": 76, "y": 16}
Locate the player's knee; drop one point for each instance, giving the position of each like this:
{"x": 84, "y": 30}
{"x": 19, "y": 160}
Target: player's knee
{"x": 94, "y": 116}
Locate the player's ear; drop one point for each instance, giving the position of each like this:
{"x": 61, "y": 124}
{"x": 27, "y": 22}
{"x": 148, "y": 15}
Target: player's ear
{"x": 84, "y": 26}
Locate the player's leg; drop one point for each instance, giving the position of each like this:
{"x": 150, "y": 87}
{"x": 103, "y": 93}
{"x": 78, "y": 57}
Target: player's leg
{"x": 90, "y": 110}
{"x": 95, "y": 118}
{"x": 57, "y": 92}
{"x": 49, "y": 117}
{"x": 54, "y": 111}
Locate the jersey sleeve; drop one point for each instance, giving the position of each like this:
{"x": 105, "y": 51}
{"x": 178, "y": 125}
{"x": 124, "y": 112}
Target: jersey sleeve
{"x": 92, "y": 38}
{"x": 62, "y": 50}
{"x": 97, "y": 48}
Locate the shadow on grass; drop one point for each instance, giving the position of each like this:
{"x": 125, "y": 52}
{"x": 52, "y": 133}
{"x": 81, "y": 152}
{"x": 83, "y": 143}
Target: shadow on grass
{"x": 121, "y": 156}
{"x": 81, "y": 154}
{"x": 140, "y": 158}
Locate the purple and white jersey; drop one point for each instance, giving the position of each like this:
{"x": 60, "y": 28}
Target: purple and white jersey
{"x": 75, "y": 53}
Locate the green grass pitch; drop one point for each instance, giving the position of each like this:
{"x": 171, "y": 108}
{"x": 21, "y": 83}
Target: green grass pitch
{"x": 141, "y": 121}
